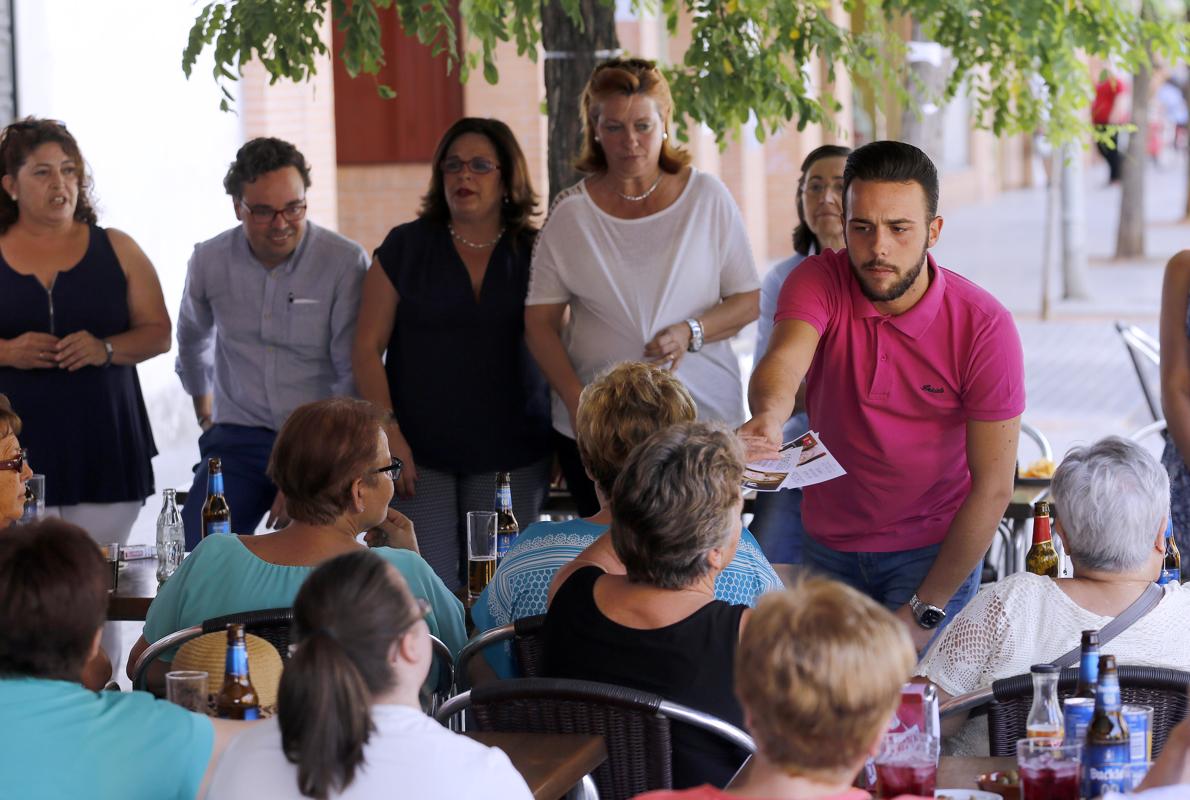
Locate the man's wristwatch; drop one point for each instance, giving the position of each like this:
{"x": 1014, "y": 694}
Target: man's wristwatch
{"x": 927, "y": 616}
{"x": 695, "y": 335}
{"x": 109, "y": 351}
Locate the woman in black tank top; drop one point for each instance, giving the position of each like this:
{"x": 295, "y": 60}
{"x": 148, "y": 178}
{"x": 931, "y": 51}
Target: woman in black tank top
{"x": 675, "y": 526}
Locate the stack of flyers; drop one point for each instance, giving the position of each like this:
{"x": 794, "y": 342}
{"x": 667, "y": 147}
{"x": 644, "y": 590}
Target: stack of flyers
{"x": 802, "y": 462}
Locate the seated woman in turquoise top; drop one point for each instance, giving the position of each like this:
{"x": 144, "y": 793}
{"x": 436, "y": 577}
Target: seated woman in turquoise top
{"x": 331, "y": 461}
{"x": 58, "y": 738}
{"x": 616, "y": 412}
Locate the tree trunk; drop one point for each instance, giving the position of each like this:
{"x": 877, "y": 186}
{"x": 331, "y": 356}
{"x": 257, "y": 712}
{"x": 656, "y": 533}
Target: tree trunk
{"x": 1130, "y": 238}
{"x": 571, "y": 54}
{"x": 1069, "y": 174}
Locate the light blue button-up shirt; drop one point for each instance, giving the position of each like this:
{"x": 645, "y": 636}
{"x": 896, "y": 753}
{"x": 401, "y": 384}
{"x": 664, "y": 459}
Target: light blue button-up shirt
{"x": 263, "y": 341}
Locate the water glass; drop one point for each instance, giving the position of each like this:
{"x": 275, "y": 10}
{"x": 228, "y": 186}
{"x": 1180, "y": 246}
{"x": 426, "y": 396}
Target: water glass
{"x": 481, "y": 551}
{"x": 188, "y": 689}
{"x": 907, "y": 764}
{"x": 1049, "y": 771}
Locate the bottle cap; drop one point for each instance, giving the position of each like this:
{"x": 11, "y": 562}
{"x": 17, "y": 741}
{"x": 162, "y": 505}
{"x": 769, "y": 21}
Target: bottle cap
{"x": 1041, "y": 508}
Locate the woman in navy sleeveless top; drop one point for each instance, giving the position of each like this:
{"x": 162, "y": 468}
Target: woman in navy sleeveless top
{"x": 80, "y": 306}
{"x": 440, "y": 342}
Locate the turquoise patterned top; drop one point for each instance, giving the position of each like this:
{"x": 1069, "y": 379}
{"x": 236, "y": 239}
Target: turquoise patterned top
{"x": 222, "y": 576}
{"x": 521, "y": 585}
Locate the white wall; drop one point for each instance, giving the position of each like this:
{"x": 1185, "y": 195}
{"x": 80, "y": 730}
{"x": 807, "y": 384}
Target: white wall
{"x": 158, "y": 146}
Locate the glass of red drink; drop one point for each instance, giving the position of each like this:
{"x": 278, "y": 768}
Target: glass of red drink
{"x": 907, "y": 765}
{"x": 1048, "y": 771}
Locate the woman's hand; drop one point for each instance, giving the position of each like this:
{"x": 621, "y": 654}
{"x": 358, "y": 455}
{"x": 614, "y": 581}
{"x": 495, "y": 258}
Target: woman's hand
{"x": 396, "y": 531}
{"x": 399, "y": 448}
{"x": 670, "y": 345}
{"x": 30, "y": 351}
{"x": 80, "y": 349}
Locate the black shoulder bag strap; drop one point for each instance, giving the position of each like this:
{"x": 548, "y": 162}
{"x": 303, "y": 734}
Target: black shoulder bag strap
{"x": 1147, "y": 601}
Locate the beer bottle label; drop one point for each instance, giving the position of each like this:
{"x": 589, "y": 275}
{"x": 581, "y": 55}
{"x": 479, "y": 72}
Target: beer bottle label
{"x": 216, "y": 484}
{"x": 504, "y": 498}
{"x": 1089, "y": 667}
{"x": 1106, "y": 769}
{"x": 214, "y": 528}
{"x": 1170, "y": 576}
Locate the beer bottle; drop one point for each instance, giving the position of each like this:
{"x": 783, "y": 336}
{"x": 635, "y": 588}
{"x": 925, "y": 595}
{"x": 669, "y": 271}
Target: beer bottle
{"x": 1042, "y": 558}
{"x": 237, "y": 699}
{"x": 507, "y": 528}
{"x": 216, "y": 513}
{"x": 1045, "y": 715}
{"x": 1088, "y": 666}
{"x": 1107, "y": 751}
{"x": 1171, "y": 570}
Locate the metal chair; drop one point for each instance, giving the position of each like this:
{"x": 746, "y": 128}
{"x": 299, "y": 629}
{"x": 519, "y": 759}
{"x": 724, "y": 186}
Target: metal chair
{"x": 524, "y": 635}
{"x": 445, "y": 684}
{"x": 1143, "y": 350}
{"x": 1039, "y": 439}
{"x": 1007, "y": 702}
{"x": 635, "y": 725}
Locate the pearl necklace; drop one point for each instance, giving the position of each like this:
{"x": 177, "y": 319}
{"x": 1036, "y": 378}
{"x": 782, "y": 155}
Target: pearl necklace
{"x": 476, "y": 245}
{"x": 636, "y": 198}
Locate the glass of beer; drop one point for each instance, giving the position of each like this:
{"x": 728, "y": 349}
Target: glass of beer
{"x": 1048, "y": 771}
{"x": 481, "y": 551}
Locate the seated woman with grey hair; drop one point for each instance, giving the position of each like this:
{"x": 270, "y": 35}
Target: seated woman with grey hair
{"x": 676, "y": 508}
{"x": 1113, "y": 500}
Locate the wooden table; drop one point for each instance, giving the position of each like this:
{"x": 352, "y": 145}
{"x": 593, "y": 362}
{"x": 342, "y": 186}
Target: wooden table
{"x": 962, "y": 772}
{"x": 551, "y": 763}
{"x": 134, "y": 592}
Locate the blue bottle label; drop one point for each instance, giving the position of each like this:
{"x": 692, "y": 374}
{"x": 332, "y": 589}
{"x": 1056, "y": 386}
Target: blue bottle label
{"x": 504, "y": 543}
{"x": 214, "y": 528}
{"x": 1170, "y": 576}
{"x": 237, "y": 660}
{"x": 504, "y": 498}
{"x": 216, "y": 482}
{"x": 1089, "y": 667}
{"x": 1106, "y": 768}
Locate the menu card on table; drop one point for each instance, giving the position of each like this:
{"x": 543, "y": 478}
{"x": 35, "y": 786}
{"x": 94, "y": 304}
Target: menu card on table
{"x": 802, "y": 462}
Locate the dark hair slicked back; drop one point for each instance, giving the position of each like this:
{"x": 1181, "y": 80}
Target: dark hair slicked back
{"x": 887, "y": 161}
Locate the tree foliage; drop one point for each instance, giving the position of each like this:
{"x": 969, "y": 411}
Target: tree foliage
{"x": 1023, "y": 60}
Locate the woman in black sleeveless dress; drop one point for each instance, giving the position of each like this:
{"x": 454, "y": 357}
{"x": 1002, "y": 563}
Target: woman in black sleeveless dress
{"x": 676, "y": 510}
{"x": 80, "y": 306}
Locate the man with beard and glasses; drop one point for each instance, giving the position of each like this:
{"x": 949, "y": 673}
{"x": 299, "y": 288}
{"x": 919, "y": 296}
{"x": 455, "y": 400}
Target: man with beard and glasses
{"x": 266, "y": 325}
{"x": 915, "y": 380}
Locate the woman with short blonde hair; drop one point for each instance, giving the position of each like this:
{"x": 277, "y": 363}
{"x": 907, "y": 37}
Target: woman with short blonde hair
{"x": 649, "y": 256}
{"x": 819, "y": 671}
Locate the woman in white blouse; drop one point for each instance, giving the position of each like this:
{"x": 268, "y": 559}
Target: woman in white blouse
{"x": 348, "y": 721}
{"x": 1112, "y": 499}
{"x": 649, "y": 256}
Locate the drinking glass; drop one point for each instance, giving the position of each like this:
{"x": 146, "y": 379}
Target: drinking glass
{"x": 188, "y": 689}
{"x": 481, "y": 551}
{"x": 907, "y": 764}
{"x": 1049, "y": 771}
{"x": 34, "y": 498}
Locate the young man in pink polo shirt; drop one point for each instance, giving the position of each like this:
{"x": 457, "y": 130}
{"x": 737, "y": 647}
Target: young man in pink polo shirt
{"x": 915, "y": 379}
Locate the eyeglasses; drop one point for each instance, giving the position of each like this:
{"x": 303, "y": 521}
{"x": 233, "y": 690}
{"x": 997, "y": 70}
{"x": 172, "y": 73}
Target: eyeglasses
{"x": 393, "y": 469}
{"x": 264, "y": 215}
{"x": 478, "y": 165}
{"x": 15, "y": 464}
{"x": 422, "y": 611}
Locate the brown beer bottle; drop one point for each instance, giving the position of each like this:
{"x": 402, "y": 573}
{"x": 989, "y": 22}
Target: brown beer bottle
{"x": 1042, "y": 558}
{"x": 216, "y": 513}
{"x": 237, "y": 699}
{"x": 507, "y": 528}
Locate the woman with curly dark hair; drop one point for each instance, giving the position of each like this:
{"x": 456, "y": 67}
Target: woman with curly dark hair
{"x": 80, "y": 307}
{"x": 445, "y": 298}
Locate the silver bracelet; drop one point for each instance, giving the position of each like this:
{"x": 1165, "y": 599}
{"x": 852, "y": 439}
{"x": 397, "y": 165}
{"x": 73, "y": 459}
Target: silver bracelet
{"x": 695, "y": 335}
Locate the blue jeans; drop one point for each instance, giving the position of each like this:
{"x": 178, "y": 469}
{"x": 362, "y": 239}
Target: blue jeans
{"x": 889, "y": 578}
{"x": 245, "y": 453}
{"x": 777, "y": 516}
{"x": 777, "y": 525}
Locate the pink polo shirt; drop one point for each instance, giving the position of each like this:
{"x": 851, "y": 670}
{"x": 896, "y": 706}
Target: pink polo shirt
{"x": 891, "y": 396}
